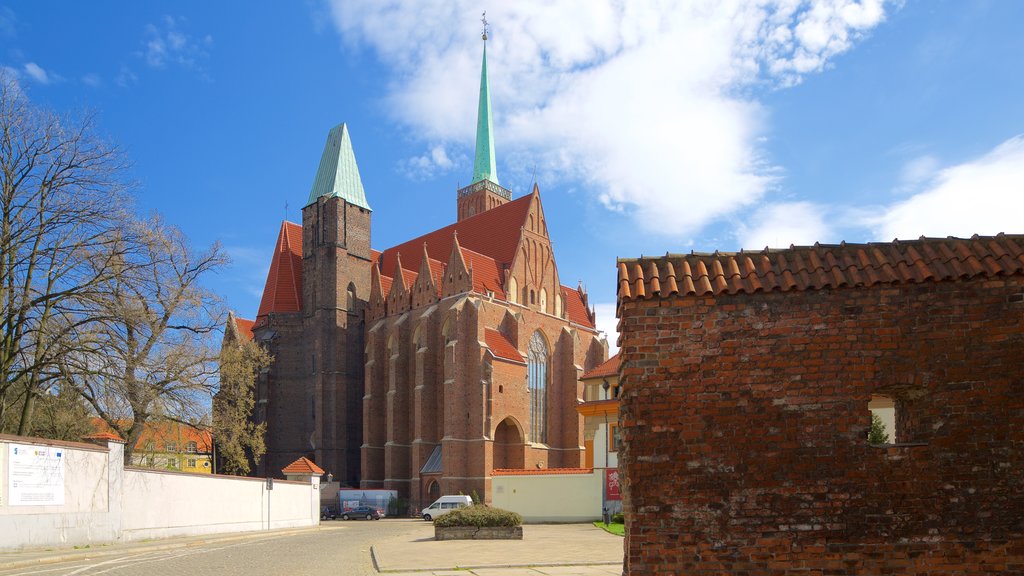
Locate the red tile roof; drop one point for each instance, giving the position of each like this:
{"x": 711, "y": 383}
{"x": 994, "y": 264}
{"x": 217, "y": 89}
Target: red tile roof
{"x": 303, "y": 466}
{"x": 822, "y": 266}
{"x": 244, "y": 327}
{"x": 162, "y": 433}
{"x": 500, "y": 346}
{"x": 538, "y": 471}
{"x": 283, "y": 290}
{"x": 493, "y": 233}
{"x": 104, "y": 436}
{"x": 575, "y": 310}
{"x": 610, "y": 367}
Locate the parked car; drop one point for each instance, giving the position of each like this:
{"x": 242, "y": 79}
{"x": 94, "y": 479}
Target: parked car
{"x": 328, "y": 513}
{"x": 444, "y": 505}
{"x": 361, "y": 512}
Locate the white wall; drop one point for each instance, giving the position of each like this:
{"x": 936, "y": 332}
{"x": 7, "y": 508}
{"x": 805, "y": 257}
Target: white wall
{"x": 163, "y": 504}
{"x": 550, "y": 497}
{"x": 85, "y": 515}
{"x": 104, "y": 502}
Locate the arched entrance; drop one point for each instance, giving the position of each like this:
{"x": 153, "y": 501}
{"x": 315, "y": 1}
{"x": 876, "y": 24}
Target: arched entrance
{"x": 509, "y": 448}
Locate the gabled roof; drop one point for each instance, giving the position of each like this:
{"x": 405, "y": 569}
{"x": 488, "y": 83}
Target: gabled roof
{"x": 609, "y": 367}
{"x": 493, "y": 233}
{"x": 500, "y": 346}
{"x": 821, "y": 266}
{"x": 338, "y": 174}
{"x": 244, "y": 327}
{"x": 575, "y": 310}
{"x": 161, "y": 433}
{"x": 303, "y": 466}
{"x": 283, "y": 290}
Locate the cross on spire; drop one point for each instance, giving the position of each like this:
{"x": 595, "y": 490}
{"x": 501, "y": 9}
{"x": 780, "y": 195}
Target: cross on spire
{"x": 483, "y": 19}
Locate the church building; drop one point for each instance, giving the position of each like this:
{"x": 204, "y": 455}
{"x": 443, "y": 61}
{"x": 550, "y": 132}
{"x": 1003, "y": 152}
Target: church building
{"x": 423, "y": 367}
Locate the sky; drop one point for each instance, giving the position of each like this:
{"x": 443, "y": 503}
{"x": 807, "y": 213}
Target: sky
{"x": 649, "y": 127}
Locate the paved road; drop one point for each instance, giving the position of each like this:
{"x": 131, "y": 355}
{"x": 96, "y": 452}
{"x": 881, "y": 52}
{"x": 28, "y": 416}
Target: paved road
{"x": 337, "y": 548}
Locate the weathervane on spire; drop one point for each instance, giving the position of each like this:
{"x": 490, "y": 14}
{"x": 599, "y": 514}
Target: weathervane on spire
{"x": 484, "y": 20}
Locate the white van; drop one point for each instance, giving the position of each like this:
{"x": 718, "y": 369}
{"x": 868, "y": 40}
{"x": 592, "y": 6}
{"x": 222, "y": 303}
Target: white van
{"x": 444, "y": 505}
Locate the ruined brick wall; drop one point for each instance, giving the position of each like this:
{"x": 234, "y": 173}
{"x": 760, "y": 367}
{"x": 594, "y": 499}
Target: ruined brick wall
{"x": 745, "y": 420}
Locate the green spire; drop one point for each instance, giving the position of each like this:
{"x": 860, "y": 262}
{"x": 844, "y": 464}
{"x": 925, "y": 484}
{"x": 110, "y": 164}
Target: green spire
{"x": 338, "y": 174}
{"x": 484, "y": 168}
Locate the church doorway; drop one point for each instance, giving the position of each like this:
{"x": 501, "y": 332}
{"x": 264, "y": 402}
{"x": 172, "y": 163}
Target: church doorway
{"x": 509, "y": 448}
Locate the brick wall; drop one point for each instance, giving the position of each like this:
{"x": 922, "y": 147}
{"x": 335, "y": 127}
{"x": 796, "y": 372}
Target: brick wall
{"x": 745, "y": 421}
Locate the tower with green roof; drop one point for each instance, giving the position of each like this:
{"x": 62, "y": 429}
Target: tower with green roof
{"x": 484, "y": 192}
{"x": 336, "y": 261}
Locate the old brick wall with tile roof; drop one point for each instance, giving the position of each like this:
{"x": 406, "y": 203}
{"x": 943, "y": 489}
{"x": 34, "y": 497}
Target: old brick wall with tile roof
{"x": 744, "y": 410}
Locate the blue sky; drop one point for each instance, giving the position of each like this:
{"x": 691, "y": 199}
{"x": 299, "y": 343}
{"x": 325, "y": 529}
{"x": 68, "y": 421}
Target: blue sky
{"x": 650, "y": 127}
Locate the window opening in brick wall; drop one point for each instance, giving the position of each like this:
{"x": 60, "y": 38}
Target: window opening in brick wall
{"x": 350, "y": 298}
{"x": 883, "y": 420}
{"x": 537, "y": 383}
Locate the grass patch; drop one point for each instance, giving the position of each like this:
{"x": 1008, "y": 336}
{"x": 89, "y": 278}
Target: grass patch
{"x": 616, "y": 528}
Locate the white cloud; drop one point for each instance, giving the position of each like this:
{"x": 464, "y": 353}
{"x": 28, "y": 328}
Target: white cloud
{"x": 436, "y": 160}
{"x": 642, "y": 102}
{"x": 166, "y": 43}
{"x": 36, "y": 73}
{"x": 983, "y": 196}
{"x": 783, "y": 224}
{"x": 608, "y": 323}
{"x": 92, "y": 80}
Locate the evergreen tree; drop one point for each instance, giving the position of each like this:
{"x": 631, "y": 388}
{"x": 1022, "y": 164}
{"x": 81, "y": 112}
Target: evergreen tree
{"x": 877, "y": 434}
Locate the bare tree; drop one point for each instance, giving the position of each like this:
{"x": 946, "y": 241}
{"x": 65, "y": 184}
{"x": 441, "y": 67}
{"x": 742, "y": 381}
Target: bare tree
{"x": 148, "y": 349}
{"x": 62, "y": 202}
{"x": 240, "y": 441}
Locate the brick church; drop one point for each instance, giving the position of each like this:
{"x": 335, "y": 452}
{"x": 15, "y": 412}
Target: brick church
{"x": 423, "y": 367}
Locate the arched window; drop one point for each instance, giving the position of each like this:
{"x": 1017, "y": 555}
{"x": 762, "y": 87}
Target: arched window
{"x": 350, "y": 300}
{"x": 543, "y": 299}
{"x": 537, "y": 382}
{"x": 558, "y": 305}
{"x": 533, "y": 298}
{"x": 513, "y": 290}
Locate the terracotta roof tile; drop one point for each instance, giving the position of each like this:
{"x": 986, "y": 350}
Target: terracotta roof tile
{"x": 283, "y": 290}
{"x": 538, "y": 471}
{"x": 500, "y": 346}
{"x": 821, "y": 266}
{"x": 493, "y": 233}
{"x": 303, "y": 466}
{"x": 575, "y": 309}
{"x": 161, "y": 433}
{"x": 244, "y": 326}
{"x": 609, "y": 367}
{"x": 104, "y": 436}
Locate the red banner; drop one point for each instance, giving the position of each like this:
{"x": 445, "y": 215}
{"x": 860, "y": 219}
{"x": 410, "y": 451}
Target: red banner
{"x": 611, "y": 484}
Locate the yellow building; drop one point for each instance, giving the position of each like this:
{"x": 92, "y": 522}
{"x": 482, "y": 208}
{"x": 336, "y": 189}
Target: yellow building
{"x": 171, "y": 446}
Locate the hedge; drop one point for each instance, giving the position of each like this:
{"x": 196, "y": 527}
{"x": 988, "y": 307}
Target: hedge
{"x": 479, "y": 516}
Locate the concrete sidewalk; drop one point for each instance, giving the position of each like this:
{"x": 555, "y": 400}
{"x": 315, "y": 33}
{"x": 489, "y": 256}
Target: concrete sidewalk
{"x": 42, "y": 556}
{"x": 555, "y": 549}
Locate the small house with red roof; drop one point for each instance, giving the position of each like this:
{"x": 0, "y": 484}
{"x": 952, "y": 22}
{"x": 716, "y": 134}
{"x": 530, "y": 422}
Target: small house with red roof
{"x": 425, "y": 366}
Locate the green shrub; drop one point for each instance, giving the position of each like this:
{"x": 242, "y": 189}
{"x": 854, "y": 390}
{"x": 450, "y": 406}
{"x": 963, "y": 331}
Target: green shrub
{"x": 618, "y": 518}
{"x": 479, "y": 517}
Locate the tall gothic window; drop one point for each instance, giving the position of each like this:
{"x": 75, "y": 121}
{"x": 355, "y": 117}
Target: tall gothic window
{"x": 537, "y": 381}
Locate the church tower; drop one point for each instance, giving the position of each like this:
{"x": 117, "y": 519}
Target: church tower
{"x": 484, "y": 193}
{"x": 336, "y": 261}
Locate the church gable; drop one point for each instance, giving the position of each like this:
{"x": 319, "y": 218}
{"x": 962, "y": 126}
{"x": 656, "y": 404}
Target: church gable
{"x": 425, "y": 289}
{"x": 458, "y": 276}
{"x": 533, "y": 271}
{"x": 398, "y": 296}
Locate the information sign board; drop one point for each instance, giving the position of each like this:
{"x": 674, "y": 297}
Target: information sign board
{"x": 35, "y": 475}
